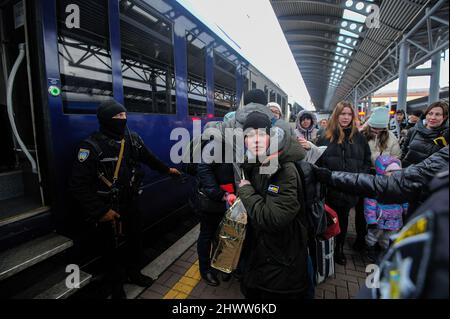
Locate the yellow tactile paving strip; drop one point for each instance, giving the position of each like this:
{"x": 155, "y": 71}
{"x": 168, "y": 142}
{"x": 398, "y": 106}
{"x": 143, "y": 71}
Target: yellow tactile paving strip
{"x": 186, "y": 284}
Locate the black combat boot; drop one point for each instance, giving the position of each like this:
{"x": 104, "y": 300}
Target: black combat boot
{"x": 237, "y": 274}
{"x": 372, "y": 254}
{"x": 359, "y": 245}
{"x": 225, "y": 277}
{"x": 210, "y": 278}
{"x": 339, "y": 256}
{"x": 118, "y": 292}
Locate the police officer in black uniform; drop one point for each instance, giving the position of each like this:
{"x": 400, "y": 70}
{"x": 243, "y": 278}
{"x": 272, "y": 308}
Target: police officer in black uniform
{"x": 104, "y": 185}
{"x": 416, "y": 265}
{"x": 417, "y": 262}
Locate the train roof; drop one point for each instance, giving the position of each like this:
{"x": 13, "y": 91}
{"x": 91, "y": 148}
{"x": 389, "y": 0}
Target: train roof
{"x": 222, "y": 35}
{"x": 215, "y": 29}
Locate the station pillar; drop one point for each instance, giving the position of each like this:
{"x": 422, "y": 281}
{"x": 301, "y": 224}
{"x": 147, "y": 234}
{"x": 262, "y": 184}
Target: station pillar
{"x": 435, "y": 77}
{"x": 403, "y": 76}
{"x": 369, "y": 104}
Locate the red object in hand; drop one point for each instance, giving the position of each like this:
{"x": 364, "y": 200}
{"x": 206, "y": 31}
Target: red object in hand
{"x": 333, "y": 228}
{"x": 228, "y": 188}
{"x": 231, "y": 199}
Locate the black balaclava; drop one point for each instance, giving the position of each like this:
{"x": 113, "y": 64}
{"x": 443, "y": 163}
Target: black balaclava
{"x": 255, "y": 96}
{"x": 113, "y": 128}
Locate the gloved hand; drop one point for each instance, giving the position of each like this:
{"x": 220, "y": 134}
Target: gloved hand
{"x": 230, "y": 199}
{"x": 322, "y": 174}
{"x": 174, "y": 172}
{"x": 372, "y": 226}
{"x": 110, "y": 216}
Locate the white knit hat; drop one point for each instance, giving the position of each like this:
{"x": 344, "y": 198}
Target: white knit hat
{"x": 275, "y": 104}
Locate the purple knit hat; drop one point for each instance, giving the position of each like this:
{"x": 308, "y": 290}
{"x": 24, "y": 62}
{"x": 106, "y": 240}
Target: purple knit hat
{"x": 383, "y": 161}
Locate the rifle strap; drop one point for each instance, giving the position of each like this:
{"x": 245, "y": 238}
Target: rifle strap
{"x": 116, "y": 171}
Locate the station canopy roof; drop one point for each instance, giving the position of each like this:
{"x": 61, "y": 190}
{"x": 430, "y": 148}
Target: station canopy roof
{"x": 335, "y": 42}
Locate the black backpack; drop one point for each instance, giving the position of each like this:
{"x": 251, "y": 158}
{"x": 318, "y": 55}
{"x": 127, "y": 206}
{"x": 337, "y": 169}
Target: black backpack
{"x": 313, "y": 196}
{"x": 188, "y": 166}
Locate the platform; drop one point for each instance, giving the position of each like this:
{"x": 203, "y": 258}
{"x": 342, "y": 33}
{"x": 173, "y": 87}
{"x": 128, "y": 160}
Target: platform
{"x": 182, "y": 279}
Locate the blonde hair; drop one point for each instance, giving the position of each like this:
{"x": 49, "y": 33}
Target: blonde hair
{"x": 334, "y": 130}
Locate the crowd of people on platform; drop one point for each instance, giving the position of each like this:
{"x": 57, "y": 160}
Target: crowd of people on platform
{"x": 396, "y": 182}
{"x": 358, "y": 162}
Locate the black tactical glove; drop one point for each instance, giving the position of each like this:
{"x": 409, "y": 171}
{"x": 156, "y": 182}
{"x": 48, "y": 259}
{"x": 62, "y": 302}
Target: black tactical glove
{"x": 322, "y": 174}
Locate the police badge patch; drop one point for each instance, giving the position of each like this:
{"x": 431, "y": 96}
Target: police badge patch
{"x": 83, "y": 154}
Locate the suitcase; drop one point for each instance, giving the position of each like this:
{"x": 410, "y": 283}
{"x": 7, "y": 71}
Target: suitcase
{"x": 324, "y": 259}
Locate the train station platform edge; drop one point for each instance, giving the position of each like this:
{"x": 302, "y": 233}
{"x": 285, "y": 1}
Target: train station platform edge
{"x": 159, "y": 265}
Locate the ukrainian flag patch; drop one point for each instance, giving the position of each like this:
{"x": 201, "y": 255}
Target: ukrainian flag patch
{"x": 273, "y": 189}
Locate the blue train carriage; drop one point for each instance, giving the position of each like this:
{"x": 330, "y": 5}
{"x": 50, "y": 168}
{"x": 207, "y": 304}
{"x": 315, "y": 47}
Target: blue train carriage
{"x": 59, "y": 60}
{"x": 257, "y": 80}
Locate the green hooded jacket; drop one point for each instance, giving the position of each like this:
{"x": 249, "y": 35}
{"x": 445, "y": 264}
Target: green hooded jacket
{"x": 276, "y": 259}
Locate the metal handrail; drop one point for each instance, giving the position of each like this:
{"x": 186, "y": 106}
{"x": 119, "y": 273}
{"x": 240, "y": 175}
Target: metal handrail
{"x": 9, "y": 104}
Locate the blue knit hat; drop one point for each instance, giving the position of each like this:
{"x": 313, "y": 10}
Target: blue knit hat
{"x": 379, "y": 117}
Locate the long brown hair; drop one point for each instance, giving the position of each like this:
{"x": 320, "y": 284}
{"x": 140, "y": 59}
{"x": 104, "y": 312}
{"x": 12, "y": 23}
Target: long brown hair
{"x": 334, "y": 130}
{"x": 383, "y": 137}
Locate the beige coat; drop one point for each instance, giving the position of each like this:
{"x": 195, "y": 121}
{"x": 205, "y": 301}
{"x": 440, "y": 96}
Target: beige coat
{"x": 393, "y": 148}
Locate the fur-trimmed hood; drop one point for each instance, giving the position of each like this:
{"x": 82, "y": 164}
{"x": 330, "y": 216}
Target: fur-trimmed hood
{"x": 310, "y": 133}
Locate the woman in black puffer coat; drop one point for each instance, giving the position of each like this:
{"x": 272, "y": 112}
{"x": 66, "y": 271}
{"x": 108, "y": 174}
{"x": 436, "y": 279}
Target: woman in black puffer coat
{"x": 428, "y": 136}
{"x": 348, "y": 151}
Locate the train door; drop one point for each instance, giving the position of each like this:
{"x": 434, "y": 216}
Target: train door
{"x": 20, "y": 191}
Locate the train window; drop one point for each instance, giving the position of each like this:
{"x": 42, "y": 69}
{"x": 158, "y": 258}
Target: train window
{"x": 272, "y": 96}
{"x": 224, "y": 85}
{"x": 253, "y": 85}
{"x": 147, "y": 60}
{"x": 196, "y": 55}
{"x": 84, "y": 57}
{"x": 279, "y": 99}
